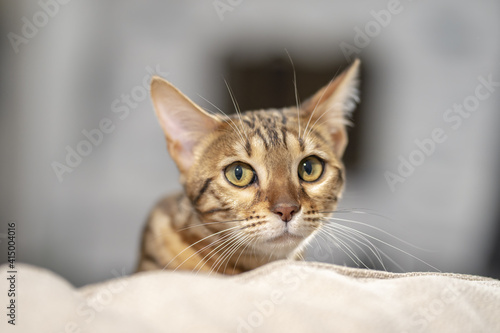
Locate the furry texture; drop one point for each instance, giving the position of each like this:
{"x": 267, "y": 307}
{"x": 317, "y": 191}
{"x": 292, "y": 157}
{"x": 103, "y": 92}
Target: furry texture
{"x": 218, "y": 226}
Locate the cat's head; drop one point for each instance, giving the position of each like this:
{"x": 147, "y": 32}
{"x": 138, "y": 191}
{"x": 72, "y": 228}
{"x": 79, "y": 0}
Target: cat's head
{"x": 274, "y": 173}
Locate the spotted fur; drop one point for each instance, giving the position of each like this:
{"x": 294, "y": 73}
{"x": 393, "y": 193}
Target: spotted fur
{"x": 215, "y": 226}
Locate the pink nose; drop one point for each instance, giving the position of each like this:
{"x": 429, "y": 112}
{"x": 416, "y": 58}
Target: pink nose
{"x": 285, "y": 211}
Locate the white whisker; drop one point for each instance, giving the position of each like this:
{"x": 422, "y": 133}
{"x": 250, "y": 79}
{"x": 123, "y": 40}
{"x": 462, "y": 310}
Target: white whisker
{"x": 242, "y": 251}
{"x": 352, "y": 235}
{"x": 226, "y": 252}
{"x": 223, "y": 238}
{"x": 378, "y": 229}
{"x": 241, "y": 242}
{"x": 211, "y": 235}
{"x": 389, "y": 245}
{"x": 339, "y": 242}
{"x": 214, "y": 251}
{"x": 236, "y": 107}
{"x": 232, "y": 124}
{"x": 354, "y": 241}
{"x": 295, "y": 87}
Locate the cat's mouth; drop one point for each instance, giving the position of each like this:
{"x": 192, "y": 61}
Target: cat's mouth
{"x": 286, "y": 236}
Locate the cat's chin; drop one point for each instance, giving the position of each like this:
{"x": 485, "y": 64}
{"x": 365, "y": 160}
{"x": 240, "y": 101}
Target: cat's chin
{"x": 280, "y": 246}
{"x": 287, "y": 238}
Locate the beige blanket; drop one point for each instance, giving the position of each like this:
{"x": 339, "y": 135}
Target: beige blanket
{"x": 280, "y": 297}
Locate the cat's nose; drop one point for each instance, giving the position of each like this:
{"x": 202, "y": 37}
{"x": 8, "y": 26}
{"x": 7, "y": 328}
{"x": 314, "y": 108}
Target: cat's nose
{"x": 285, "y": 211}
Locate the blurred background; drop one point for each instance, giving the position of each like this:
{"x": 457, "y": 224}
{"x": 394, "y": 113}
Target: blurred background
{"x": 73, "y": 69}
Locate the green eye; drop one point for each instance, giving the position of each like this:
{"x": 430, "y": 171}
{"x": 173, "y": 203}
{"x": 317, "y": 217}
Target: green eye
{"x": 239, "y": 174}
{"x": 310, "y": 169}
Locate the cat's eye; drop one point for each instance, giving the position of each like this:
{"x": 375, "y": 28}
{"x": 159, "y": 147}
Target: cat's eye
{"x": 239, "y": 174}
{"x": 310, "y": 169}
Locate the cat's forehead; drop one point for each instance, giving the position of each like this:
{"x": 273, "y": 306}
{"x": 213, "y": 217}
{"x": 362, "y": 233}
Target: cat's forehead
{"x": 266, "y": 119}
{"x": 275, "y": 134}
{"x": 270, "y": 127}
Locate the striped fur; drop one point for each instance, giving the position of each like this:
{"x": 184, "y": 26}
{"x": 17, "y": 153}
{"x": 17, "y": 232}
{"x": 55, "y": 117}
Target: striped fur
{"x": 215, "y": 226}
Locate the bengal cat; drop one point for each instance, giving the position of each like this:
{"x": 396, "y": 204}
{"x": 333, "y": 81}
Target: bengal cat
{"x": 257, "y": 184}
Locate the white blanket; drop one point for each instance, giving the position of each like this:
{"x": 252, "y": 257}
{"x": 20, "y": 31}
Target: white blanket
{"x": 280, "y": 297}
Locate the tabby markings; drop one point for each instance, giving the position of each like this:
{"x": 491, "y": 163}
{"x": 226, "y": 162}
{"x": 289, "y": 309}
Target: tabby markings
{"x": 202, "y": 191}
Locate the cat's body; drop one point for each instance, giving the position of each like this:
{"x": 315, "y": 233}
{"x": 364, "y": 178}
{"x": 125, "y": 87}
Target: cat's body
{"x": 257, "y": 185}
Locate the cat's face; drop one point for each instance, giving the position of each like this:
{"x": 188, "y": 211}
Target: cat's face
{"x": 268, "y": 177}
{"x": 276, "y": 184}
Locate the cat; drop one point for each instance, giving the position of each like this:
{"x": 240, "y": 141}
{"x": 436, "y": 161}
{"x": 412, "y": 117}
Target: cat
{"x": 257, "y": 185}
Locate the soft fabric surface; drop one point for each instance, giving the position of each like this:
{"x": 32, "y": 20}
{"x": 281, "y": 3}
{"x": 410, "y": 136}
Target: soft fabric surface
{"x": 280, "y": 297}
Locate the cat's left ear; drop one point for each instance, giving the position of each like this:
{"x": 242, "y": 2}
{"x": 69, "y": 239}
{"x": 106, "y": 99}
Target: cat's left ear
{"x": 184, "y": 123}
{"x": 333, "y": 104}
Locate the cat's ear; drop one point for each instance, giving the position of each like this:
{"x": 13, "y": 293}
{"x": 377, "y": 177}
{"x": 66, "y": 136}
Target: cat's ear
{"x": 333, "y": 105}
{"x": 184, "y": 123}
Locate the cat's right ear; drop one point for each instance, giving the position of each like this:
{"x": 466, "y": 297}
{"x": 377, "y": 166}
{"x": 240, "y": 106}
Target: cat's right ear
{"x": 183, "y": 122}
{"x": 334, "y": 103}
